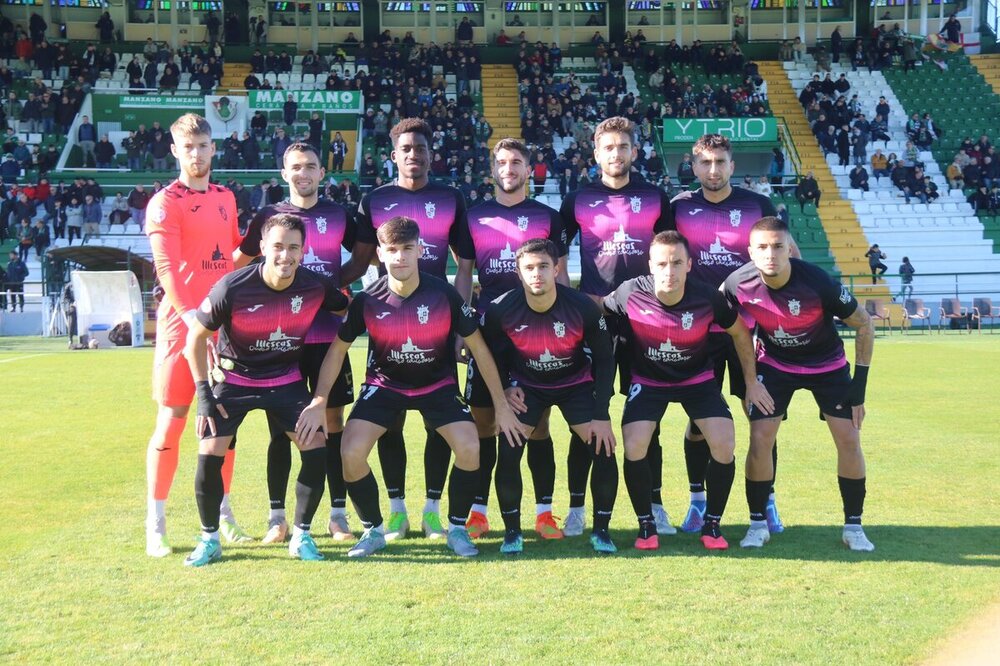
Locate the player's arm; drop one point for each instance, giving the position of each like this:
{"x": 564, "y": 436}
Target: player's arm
{"x": 507, "y": 423}
{"x": 602, "y": 357}
{"x": 209, "y": 318}
{"x": 864, "y": 346}
{"x": 313, "y": 417}
{"x": 249, "y": 247}
{"x": 756, "y": 394}
{"x": 361, "y": 258}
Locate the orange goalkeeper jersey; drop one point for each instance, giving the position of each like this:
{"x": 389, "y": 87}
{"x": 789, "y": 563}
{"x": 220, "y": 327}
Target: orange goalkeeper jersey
{"x": 192, "y": 235}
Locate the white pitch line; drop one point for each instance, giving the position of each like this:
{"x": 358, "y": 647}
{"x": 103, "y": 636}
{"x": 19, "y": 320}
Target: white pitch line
{"x": 21, "y": 358}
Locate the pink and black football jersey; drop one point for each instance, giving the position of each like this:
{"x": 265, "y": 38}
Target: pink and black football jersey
{"x": 439, "y": 212}
{"x": 548, "y": 350}
{"x": 719, "y": 233}
{"x": 263, "y": 331}
{"x": 615, "y": 228}
{"x": 497, "y": 231}
{"x": 411, "y": 341}
{"x": 795, "y": 323}
{"x": 669, "y": 343}
{"x": 329, "y": 227}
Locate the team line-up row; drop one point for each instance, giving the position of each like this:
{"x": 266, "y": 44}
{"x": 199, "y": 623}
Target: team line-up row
{"x": 676, "y": 294}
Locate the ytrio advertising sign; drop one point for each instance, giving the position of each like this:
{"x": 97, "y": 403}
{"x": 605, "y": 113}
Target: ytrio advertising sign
{"x": 737, "y": 130}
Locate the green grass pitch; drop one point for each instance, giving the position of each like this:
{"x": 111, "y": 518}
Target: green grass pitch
{"x": 77, "y": 586}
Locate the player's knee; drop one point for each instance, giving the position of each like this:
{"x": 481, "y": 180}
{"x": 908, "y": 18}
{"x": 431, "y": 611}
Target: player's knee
{"x": 466, "y": 453}
{"x": 723, "y": 451}
{"x": 636, "y": 449}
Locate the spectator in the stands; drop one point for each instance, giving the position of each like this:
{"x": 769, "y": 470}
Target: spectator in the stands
{"x": 880, "y": 164}
{"x": 956, "y": 180}
{"x": 250, "y": 151}
{"x": 275, "y": 193}
{"x": 258, "y": 124}
{"x": 290, "y": 110}
{"x": 279, "y": 143}
{"x": 86, "y": 137}
{"x": 231, "y": 151}
{"x": 91, "y": 217}
{"x": 859, "y": 178}
{"x": 685, "y": 171}
{"x": 119, "y": 210}
{"x": 338, "y": 151}
{"x": 980, "y": 199}
{"x": 807, "y": 191}
{"x": 104, "y": 153}
{"x": 763, "y": 186}
{"x": 971, "y": 174}
{"x": 159, "y": 149}
{"x": 137, "y": 201}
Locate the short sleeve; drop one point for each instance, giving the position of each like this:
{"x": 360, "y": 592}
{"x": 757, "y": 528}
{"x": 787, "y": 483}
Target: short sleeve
{"x": 767, "y": 208}
{"x": 616, "y": 301}
{"x": 725, "y": 313}
{"x": 335, "y": 300}
{"x": 350, "y": 230}
{"x": 365, "y": 226}
{"x": 250, "y": 245}
{"x": 216, "y": 309}
{"x": 459, "y": 236}
{"x": 354, "y": 323}
{"x": 836, "y": 298}
{"x": 557, "y": 233}
{"x": 666, "y": 220}
{"x": 568, "y": 214}
{"x": 464, "y": 317}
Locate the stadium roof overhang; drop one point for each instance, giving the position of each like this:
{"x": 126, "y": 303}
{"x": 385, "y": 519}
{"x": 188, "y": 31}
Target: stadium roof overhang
{"x": 99, "y": 258}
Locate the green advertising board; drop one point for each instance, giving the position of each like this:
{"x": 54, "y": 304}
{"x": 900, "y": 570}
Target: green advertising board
{"x": 737, "y": 130}
{"x": 161, "y": 102}
{"x": 325, "y": 101}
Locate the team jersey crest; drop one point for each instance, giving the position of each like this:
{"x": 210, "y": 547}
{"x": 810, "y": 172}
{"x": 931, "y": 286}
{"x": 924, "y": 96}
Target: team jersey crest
{"x": 559, "y": 328}
{"x": 321, "y": 225}
{"x": 296, "y": 304}
{"x": 636, "y": 203}
{"x": 735, "y": 217}
{"x": 794, "y": 307}
{"x": 522, "y": 223}
{"x": 423, "y": 314}
{"x": 687, "y": 321}
{"x": 430, "y": 209}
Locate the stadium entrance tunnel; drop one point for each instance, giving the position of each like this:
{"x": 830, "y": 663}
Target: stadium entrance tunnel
{"x": 99, "y": 258}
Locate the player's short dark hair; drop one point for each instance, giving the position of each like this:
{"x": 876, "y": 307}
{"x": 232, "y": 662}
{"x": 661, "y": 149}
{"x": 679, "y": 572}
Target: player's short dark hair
{"x": 537, "y": 246}
{"x": 671, "y": 237}
{"x": 769, "y": 223}
{"x": 398, "y": 231}
{"x": 511, "y": 144}
{"x": 301, "y": 147}
{"x": 616, "y": 124}
{"x": 713, "y": 142}
{"x": 411, "y": 125}
{"x": 285, "y": 221}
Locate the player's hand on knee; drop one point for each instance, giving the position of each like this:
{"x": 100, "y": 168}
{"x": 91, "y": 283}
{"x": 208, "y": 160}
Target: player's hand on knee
{"x": 208, "y": 407}
{"x": 515, "y": 399}
{"x": 603, "y": 437}
{"x": 511, "y": 428}
{"x": 312, "y": 420}
{"x": 758, "y": 396}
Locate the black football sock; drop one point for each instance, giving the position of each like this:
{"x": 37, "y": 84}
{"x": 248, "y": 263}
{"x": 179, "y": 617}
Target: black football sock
{"x": 487, "y": 461}
{"x": 335, "y": 471}
{"x": 757, "y": 492}
{"x": 309, "y": 486}
{"x": 578, "y": 462}
{"x": 774, "y": 462}
{"x": 852, "y": 492}
{"x": 604, "y": 488}
{"x": 437, "y": 456}
{"x": 509, "y": 485}
{"x": 208, "y": 490}
{"x": 637, "y": 475}
{"x": 392, "y": 460}
{"x": 654, "y": 457}
{"x": 364, "y": 495}
{"x": 461, "y": 490}
{"x": 542, "y": 464}
{"x": 279, "y": 464}
{"x": 719, "y": 480}
{"x": 696, "y": 457}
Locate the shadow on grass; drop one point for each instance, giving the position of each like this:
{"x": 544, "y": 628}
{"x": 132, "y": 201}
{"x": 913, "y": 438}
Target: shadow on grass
{"x": 974, "y": 546}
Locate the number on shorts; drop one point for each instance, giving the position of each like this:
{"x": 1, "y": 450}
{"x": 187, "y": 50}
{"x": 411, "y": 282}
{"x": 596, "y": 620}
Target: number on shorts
{"x": 368, "y": 392}
{"x": 633, "y": 391}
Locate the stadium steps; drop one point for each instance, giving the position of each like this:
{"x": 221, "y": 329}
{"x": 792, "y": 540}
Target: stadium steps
{"x": 500, "y": 102}
{"x": 843, "y": 231}
{"x": 989, "y": 67}
{"x": 235, "y": 74}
